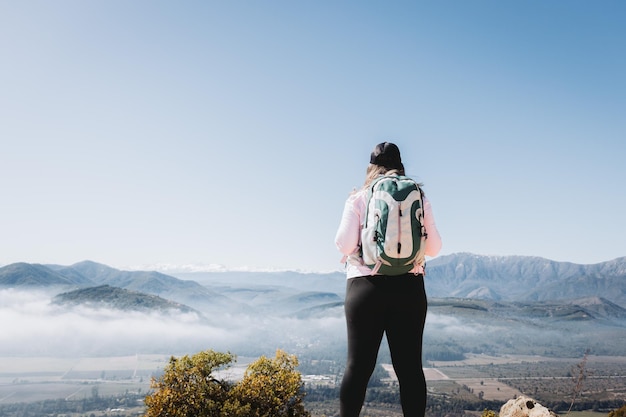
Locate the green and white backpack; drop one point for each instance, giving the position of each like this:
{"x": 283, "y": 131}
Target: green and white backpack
{"x": 393, "y": 235}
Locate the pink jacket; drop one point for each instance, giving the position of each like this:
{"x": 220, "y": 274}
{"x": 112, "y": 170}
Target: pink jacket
{"x": 348, "y": 237}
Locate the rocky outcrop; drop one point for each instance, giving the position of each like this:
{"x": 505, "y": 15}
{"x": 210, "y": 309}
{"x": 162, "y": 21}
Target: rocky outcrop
{"x": 525, "y": 407}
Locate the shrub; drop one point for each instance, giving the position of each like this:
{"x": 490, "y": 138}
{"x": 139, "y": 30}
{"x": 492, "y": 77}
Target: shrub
{"x": 270, "y": 387}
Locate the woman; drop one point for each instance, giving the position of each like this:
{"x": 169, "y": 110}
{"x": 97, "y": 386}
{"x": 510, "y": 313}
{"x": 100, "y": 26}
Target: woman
{"x": 377, "y": 304}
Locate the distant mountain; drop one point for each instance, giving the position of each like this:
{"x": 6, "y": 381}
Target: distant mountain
{"x": 105, "y": 296}
{"x": 150, "y": 282}
{"x": 282, "y": 293}
{"x": 30, "y": 275}
{"x": 89, "y": 274}
{"x": 520, "y": 278}
{"x": 297, "y": 281}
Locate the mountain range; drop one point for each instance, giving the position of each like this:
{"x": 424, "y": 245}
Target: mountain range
{"x": 477, "y": 303}
{"x": 91, "y": 274}
{"x": 519, "y": 278}
{"x": 462, "y": 275}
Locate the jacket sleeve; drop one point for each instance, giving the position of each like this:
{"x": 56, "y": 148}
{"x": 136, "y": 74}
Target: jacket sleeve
{"x": 348, "y": 235}
{"x": 433, "y": 241}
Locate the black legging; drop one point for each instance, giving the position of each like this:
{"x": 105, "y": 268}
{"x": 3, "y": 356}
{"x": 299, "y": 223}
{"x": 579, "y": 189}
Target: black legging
{"x": 395, "y": 306}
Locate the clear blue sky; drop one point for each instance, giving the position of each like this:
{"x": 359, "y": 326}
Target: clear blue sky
{"x": 230, "y": 132}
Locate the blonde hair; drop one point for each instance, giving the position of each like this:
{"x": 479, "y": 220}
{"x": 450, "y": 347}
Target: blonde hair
{"x": 374, "y": 171}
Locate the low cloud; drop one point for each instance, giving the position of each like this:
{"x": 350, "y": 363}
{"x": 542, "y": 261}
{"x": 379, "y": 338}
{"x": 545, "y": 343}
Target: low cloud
{"x": 34, "y": 326}
{"x": 447, "y": 324}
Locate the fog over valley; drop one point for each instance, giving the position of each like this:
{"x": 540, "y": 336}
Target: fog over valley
{"x": 33, "y": 325}
{"x": 252, "y": 314}
{"x": 85, "y": 331}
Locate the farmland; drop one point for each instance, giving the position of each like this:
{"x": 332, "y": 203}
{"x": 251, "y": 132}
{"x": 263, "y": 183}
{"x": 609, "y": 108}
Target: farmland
{"x": 470, "y": 385}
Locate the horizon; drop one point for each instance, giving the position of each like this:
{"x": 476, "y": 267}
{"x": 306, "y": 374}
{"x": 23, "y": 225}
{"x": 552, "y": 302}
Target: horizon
{"x": 219, "y": 268}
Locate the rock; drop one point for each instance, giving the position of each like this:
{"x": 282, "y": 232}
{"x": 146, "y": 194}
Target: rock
{"x": 525, "y": 407}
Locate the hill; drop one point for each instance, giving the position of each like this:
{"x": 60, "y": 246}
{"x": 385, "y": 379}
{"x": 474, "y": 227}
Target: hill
{"x": 456, "y": 326}
{"x": 105, "y": 296}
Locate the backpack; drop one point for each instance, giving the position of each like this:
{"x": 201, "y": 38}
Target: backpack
{"x": 393, "y": 235}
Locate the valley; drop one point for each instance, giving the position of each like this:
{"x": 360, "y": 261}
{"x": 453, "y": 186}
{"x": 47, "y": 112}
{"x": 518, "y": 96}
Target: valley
{"x": 496, "y": 327}
{"x": 477, "y": 382}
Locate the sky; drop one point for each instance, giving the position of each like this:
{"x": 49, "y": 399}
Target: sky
{"x": 196, "y": 134}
